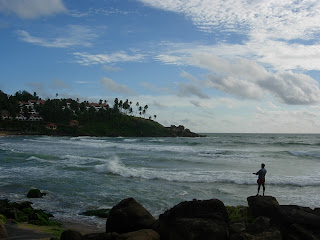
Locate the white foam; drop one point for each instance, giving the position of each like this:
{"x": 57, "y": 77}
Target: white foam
{"x": 305, "y": 154}
{"x": 131, "y": 140}
{"x": 117, "y": 167}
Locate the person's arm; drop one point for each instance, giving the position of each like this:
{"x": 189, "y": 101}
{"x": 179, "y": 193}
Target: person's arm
{"x": 257, "y": 173}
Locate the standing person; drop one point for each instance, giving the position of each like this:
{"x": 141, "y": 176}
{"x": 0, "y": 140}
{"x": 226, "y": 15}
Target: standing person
{"x": 261, "y": 178}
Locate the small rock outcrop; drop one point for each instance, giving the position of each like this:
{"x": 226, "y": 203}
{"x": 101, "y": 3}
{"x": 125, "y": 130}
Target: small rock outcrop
{"x": 128, "y": 216}
{"x": 181, "y": 131}
{"x": 206, "y": 219}
{"x": 35, "y": 193}
{"x": 24, "y": 212}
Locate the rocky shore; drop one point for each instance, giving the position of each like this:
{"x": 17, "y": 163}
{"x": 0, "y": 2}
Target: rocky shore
{"x": 263, "y": 218}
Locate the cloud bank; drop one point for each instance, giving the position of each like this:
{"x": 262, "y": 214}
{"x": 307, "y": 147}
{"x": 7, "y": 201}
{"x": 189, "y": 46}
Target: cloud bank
{"x": 247, "y": 79}
{"x": 30, "y": 9}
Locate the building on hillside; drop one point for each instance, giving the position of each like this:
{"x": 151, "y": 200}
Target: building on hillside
{"x": 20, "y": 117}
{"x": 51, "y": 126}
{"x": 5, "y": 115}
{"x": 35, "y": 117}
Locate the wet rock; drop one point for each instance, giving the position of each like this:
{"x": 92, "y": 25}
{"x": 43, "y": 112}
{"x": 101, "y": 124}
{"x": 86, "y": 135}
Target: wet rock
{"x": 206, "y": 219}
{"x": 35, "y": 193}
{"x": 267, "y": 206}
{"x": 128, "y": 216}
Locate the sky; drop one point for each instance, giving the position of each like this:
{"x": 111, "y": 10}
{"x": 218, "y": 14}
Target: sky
{"x": 220, "y": 66}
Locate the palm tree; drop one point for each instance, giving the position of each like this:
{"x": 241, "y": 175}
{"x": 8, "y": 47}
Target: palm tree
{"x": 137, "y": 104}
{"x": 140, "y": 110}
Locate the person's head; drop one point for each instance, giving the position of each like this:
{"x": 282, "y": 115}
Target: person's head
{"x": 262, "y": 165}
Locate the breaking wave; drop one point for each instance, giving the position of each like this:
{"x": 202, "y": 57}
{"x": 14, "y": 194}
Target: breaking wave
{"x": 116, "y": 167}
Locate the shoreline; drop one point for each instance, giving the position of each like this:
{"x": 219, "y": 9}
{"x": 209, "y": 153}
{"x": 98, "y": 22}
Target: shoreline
{"x": 264, "y": 217}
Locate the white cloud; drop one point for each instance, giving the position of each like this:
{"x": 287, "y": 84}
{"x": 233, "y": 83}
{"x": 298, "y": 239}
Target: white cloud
{"x": 287, "y": 19}
{"x": 115, "y": 87}
{"x": 283, "y": 34}
{"x": 170, "y": 59}
{"x": 247, "y": 79}
{"x": 30, "y": 9}
{"x": 89, "y": 59}
{"x": 70, "y": 36}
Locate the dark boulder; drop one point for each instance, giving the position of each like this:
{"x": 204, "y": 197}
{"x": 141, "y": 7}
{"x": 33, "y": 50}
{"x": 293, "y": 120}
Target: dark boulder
{"x": 35, "y": 193}
{"x": 210, "y": 209}
{"x": 297, "y": 232}
{"x": 143, "y": 234}
{"x": 291, "y": 214}
{"x": 206, "y": 219}
{"x": 267, "y": 206}
{"x": 128, "y": 216}
{"x": 71, "y": 235}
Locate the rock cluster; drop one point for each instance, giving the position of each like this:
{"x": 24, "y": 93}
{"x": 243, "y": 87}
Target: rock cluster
{"x": 181, "y": 131}
{"x": 211, "y": 220}
{"x": 263, "y": 219}
{"x": 24, "y": 212}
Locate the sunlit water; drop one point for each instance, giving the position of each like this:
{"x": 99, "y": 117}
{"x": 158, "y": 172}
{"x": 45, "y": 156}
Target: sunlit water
{"x": 84, "y": 173}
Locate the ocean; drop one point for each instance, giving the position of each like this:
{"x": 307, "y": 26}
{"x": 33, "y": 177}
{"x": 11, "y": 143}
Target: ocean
{"x": 85, "y": 173}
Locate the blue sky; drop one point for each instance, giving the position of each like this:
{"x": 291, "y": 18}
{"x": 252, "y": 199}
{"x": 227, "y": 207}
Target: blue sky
{"x": 212, "y": 66}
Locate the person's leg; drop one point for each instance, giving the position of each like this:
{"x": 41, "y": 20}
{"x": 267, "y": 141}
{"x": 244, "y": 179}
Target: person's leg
{"x": 263, "y": 188}
{"x": 258, "y": 189}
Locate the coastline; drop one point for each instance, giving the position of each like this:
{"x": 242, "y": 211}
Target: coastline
{"x": 263, "y": 218}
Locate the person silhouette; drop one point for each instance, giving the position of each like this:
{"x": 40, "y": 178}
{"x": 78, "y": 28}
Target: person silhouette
{"x": 261, "y": 178}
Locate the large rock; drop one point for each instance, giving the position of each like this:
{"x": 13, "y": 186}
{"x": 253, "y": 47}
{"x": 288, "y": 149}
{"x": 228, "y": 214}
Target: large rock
{"x": 295, "y": 222}
{"x": 128, "y": 216}
{"x": 267, "y": 206}
{"x": 35, "y": 193}
{"x": 297, "y": 232}
{"x": 292, "y": 214}
{"x": 3, "y": 231}
{"x": 71, "y": 235}
{"x": 207, "y": 219}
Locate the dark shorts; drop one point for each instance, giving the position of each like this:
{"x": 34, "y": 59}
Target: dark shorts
{"x": 261, "y": 181}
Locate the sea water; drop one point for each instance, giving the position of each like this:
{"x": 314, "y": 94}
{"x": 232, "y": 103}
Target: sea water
{"x": 85, "y": 173}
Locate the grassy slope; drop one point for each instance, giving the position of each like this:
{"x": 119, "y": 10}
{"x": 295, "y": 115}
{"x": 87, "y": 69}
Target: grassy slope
{"x": 127, "y": 126}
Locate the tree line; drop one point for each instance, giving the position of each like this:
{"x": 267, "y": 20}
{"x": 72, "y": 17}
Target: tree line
{"x": 64, "y": 110}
